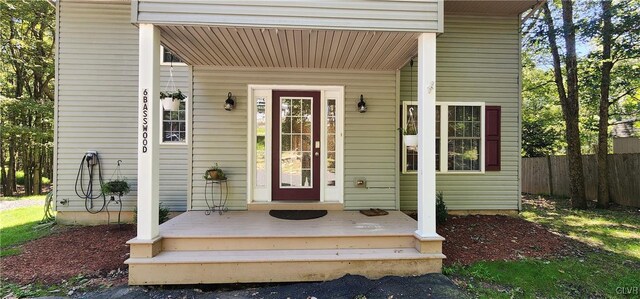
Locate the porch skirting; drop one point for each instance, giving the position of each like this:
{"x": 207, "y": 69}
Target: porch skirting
{"x": 251, "y": 246}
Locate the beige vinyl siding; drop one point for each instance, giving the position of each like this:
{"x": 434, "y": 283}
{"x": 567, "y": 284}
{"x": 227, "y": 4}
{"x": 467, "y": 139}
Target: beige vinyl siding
{"x": 369, "y": 144}
{"x": 477, "y": 61}
{"x": 415, "y": 15}
{"x": 173, "y": 156}
{"x": 97, "y": 102}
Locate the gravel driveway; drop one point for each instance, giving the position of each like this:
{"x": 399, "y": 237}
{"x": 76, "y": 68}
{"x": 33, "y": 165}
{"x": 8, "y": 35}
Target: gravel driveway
{"x": 14, "y": 204}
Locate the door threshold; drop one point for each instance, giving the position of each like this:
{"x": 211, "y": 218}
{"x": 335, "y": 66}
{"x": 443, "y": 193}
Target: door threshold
{"x": 295, "y": 205}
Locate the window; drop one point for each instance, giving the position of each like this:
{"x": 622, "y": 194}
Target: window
{"x": 167, "y": 57}
{"x": 459, "y": 134}
{"x": 174, "y": 125}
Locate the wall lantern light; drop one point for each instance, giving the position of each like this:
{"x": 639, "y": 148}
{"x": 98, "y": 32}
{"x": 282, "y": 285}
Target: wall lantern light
{"x": 362, "y": 106}
{"x": 229, "y": 104}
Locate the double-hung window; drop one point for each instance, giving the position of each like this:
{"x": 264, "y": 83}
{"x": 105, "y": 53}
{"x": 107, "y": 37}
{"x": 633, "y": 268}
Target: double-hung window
{"x": 459, "y": 141}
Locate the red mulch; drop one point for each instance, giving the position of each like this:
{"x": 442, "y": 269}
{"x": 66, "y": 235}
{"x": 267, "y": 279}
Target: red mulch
{"x": 98, "y": 250}
{"x": 91, "y": 251}
{"x": 474, "y": 238}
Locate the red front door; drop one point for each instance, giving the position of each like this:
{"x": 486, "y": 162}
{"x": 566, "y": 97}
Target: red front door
{"x": 296, "y": 145}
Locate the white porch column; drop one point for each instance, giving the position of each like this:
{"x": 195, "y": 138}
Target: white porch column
{"x": 426, "y": 136}
{"x": 148, "y": 131}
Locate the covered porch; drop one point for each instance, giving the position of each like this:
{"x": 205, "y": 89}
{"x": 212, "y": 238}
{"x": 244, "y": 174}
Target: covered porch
{"x": 251, "y": 246}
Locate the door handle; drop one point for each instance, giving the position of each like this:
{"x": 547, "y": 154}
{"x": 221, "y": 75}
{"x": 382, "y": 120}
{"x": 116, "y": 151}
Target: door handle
{"x": 317, "y": 154}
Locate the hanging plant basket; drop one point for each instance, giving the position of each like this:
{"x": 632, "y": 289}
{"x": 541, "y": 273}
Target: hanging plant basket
{"x": 172, "y": 97}
{"x": 410, "y": 140}
{"x": 171, "y": 100}
{"x": 170, "y": 104}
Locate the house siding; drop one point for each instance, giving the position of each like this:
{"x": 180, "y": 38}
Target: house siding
{"x": 369, "y": 142}
{"x": 415, "y": 15}
{"x": 97, "y": 103}
{"x": 477, "y": 61}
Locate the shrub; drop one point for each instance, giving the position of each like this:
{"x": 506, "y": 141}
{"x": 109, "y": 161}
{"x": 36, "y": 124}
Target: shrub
{"x": 441, "y": 208}
{"x": 163, "y": 214}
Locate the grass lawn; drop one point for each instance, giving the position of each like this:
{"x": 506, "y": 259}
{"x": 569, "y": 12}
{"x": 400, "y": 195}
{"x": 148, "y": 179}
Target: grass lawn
{"x": 20, "y": 225}
{"x": 605, "y": 263}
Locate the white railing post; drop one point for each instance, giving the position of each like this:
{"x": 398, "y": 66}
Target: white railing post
{"x": 148, "y": 131}
{"x": 426, "y": 135}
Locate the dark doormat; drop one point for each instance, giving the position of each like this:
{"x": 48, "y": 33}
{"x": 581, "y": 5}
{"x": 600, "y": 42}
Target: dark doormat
{"x": 297, "y": 214}
{"x": 374, "y": 212}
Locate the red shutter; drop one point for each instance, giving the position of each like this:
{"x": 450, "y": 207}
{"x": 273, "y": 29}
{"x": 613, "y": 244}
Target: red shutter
{"x": 492, "y": 138}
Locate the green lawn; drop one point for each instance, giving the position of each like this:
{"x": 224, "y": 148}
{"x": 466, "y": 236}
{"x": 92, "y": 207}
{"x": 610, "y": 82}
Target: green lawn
{"x": 18, "y": 226}
{"x": 607, "y": 261}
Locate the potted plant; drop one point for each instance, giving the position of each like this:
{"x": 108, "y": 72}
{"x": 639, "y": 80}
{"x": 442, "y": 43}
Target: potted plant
{"x": 214, "y": 173}
{"x": 410, "y": 136}
{"x": 117, "y": 186}
{"x": 171, "y": 100}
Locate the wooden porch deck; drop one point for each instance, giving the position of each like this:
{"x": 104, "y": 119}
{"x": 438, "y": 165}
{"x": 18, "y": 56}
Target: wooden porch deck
{"x": 261, "y": 224}
{"x": 252, "y": 246}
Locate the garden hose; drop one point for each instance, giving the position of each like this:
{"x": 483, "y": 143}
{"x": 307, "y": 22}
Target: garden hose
{"x": 48, "y": 209}
{"x": 88, "y": 193}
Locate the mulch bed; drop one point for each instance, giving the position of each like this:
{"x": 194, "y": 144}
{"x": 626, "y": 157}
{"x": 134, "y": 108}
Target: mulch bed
{"x": 98, "y": 250}
{"x": 491, "y": 238}
{"x": 91, "y": 251}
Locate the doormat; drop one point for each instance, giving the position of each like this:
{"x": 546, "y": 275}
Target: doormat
{"x": 297, "y": 214}
{"x": 374, "y": 212}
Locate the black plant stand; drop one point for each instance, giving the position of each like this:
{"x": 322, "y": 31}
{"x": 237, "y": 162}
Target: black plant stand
{"x": 209, "y": 193}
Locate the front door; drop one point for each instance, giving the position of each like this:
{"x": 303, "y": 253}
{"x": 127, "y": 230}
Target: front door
{"x": 296, "y": 145}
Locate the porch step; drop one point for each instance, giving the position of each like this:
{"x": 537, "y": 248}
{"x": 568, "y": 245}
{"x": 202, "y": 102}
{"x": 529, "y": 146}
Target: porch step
{"x": 229, "y": 266}
{"x": 200, "y": 243}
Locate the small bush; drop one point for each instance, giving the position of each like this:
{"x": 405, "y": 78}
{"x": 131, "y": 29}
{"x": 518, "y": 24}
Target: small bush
{"x": 441, "y": 208}
{"x": 163, "y": 214}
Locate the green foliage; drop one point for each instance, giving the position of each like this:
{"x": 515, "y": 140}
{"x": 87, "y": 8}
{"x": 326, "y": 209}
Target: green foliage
{"x": 18, "y": 226}
{"x": 541, "y": 107}
{"x": 116, "y": 187}
{"x": 163, "y": 214}
{"x": 441, "y": 208}
{"x": 218, "y": 170}
{"x": 20, "y": 178}
{"x": 178, "y": 95}
{"x": 538, "y": 139}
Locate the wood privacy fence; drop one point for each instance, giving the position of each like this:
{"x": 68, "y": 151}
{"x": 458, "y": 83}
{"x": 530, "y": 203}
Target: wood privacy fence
{"x": 550, "y": 175}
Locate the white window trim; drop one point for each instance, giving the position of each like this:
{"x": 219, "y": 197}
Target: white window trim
{"x": 327, "y": 193}
{"x": 162, "y": 62}
{"x": 444, "y": 138}
{"x": 186, "y": 127}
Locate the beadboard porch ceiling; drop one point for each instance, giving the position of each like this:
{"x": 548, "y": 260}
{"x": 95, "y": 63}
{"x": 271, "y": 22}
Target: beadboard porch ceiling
{"x": 290, "y": 48}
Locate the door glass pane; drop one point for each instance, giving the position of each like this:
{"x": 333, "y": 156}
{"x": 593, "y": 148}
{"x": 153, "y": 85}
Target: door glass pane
{"x": 261, "y": 133}
{"x": 331, "y": 143}
{"x": 296, "y": 160}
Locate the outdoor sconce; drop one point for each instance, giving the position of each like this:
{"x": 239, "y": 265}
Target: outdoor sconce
{"x": 362, "y": 106}
{"x": 229, "y": 104}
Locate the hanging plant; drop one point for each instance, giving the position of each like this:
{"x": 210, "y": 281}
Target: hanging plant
{"x": 172, "y": 97}
{"x": 171, "y": 100}
{"x": 120, "y": 187}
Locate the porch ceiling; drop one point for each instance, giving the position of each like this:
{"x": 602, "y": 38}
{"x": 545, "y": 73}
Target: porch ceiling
{"x": 290, "y": 48}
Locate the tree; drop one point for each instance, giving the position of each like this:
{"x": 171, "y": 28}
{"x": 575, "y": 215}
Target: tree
{"x": 27, "y": 73}
{"x": 569, "y": 97}
{"x": 603, "y": 113}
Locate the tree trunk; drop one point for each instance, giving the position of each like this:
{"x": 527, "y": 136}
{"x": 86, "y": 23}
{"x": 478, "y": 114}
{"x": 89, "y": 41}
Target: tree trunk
{"x": 568, "y": 98}
{"x": 603, "y": 123}
{"x": 11, "y": 175}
